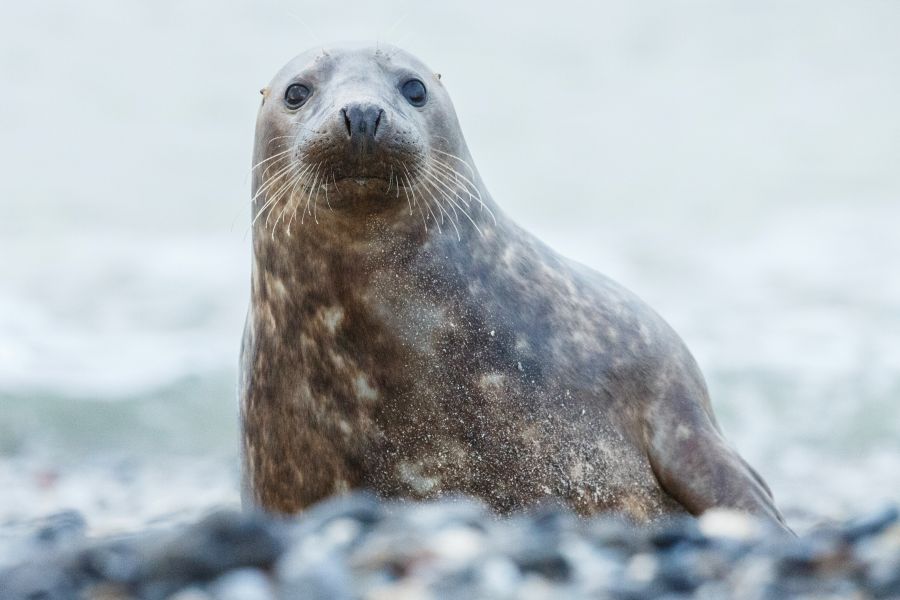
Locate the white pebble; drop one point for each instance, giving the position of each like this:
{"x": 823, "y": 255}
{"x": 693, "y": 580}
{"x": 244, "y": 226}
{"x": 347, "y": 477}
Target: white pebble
{"x": 728, "y": 524}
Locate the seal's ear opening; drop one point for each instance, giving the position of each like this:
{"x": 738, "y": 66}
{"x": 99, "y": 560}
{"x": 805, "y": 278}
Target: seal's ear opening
{"x": 264, "y": 92}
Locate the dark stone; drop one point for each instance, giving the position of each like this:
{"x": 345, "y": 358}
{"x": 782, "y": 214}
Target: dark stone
{"x": 871, "y": 525}
{"x": 545, "y": 562}
{"x": 461, "y": 584}
{"x": 39, "y": 581}
{"x": 630, "y": 590}
{"x": 363, "y": 507}
{"x": 62, "y": 528}
{"x": 883, "y": 579}
{"x": 818, "y": 553}
{"x": 550, "y": 517}
{"x": 683, "y": 531}
{"x": 220, "y": 542}
{"x": 116, "y": 561}
{"x": 613, "y": 534}
{"x": 796, "y": 559}
{"x": 677, "y": 570}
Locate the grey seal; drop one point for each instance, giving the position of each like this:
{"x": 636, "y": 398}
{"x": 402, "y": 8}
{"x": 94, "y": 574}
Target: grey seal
{"x": 404, "y": 335}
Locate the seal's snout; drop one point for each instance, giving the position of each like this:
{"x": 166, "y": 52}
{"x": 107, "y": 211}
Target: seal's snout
{"x": 362, "y": 121}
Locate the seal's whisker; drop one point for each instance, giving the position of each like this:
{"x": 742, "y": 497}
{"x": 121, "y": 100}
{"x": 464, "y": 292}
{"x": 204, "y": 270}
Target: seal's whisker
{"x": 277, "y": 155}
{"x": 326, "y": 191}
{"x": 273, "y": 206}
{"x": 268, "y": 180}
{"x": 307, "y": 187}
{"x": 469, "y": 188}
{"x": 437, "y": 222}
{"x": 424, "y": 200}
{"x": 273, "y": 157}
{"x": 295, "y": 197}
{"x": 264, "y": 188}
{"x": 458, "y": 179}
{"x": 417, "y": 195}
{"x": 273, "y": 169}
{"x": 449, "y": 184}
{"x": 259, "y": 214}
{"x": 278, "y": 164}
{"x": 462, "y": 160}
{"x": 449, "y": 196}
{"x": 298, "y": 195}
{"x": 295, "y": 201}
{"x": 282, "y": 191}
{"x": 280, "y": 137}
{"x": 308, "y": 192}
{"x": 317, "y": 185}
{"x": 265, "y": 172}
{"x": 443, "y": 210}
{"x": 453, "y": 203}
{"x": 406, "y": 191}
{"x": 292, "y": 199}
{"x": 435, "y": 181}
{"x": 316, "y": 200}
{"x": 287, "y": 204}
{"x": 334, "y": 179}
{"x": 449, "y": 169}
{"x": 287, "y": 190}
{"x": 277, "y": 199}
{"x": 270, "y": 201}
{"x": 444, "y": 181}
{"x": 427, "y": 181}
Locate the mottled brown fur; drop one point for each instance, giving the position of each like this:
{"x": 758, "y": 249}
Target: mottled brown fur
{"x": 419, "y": 362}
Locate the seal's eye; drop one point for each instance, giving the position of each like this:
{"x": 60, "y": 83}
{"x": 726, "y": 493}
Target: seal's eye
{"x": 414, "y": 91}
{"x": 296, "y": 95}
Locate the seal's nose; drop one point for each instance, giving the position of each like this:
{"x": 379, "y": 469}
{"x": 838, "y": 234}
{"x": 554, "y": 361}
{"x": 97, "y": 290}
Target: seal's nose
{"x": 362, "y": 122}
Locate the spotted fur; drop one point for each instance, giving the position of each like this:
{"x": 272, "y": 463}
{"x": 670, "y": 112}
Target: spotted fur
{"x": 387, "y": 352}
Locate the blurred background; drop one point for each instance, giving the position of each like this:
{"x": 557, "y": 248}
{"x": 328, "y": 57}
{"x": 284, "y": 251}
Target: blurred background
{"x": 737, "y": 164}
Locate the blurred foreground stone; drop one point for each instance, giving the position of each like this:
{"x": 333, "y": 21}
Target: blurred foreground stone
{"x": 360, "y": 547}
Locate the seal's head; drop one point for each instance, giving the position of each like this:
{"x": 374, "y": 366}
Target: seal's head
{"x": 358, "y": 128}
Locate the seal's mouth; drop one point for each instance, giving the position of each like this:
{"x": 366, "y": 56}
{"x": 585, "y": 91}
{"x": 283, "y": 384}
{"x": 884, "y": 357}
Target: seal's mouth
{"x": 370, "y": 179}
{"x": 351, "y": 189}
{"x": 354, "y": 177}
{"x": 361, "y": 181}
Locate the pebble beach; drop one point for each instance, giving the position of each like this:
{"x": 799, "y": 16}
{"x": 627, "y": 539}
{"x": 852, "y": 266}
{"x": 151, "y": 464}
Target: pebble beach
{"x": 358, "y": 547}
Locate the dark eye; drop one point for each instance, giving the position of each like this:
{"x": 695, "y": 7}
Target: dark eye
{"x": 414, "y": 91}
{"x": 296, "y": 95}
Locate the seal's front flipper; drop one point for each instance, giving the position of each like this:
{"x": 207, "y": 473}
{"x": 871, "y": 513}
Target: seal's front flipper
{"x": 698, "y": 468}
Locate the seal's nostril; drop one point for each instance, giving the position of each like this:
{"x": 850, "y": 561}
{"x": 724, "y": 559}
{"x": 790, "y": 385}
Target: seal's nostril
{"x": 362, "y": 121}
{"x": 377, "y": 121}
{"x": 347, "y": 121}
